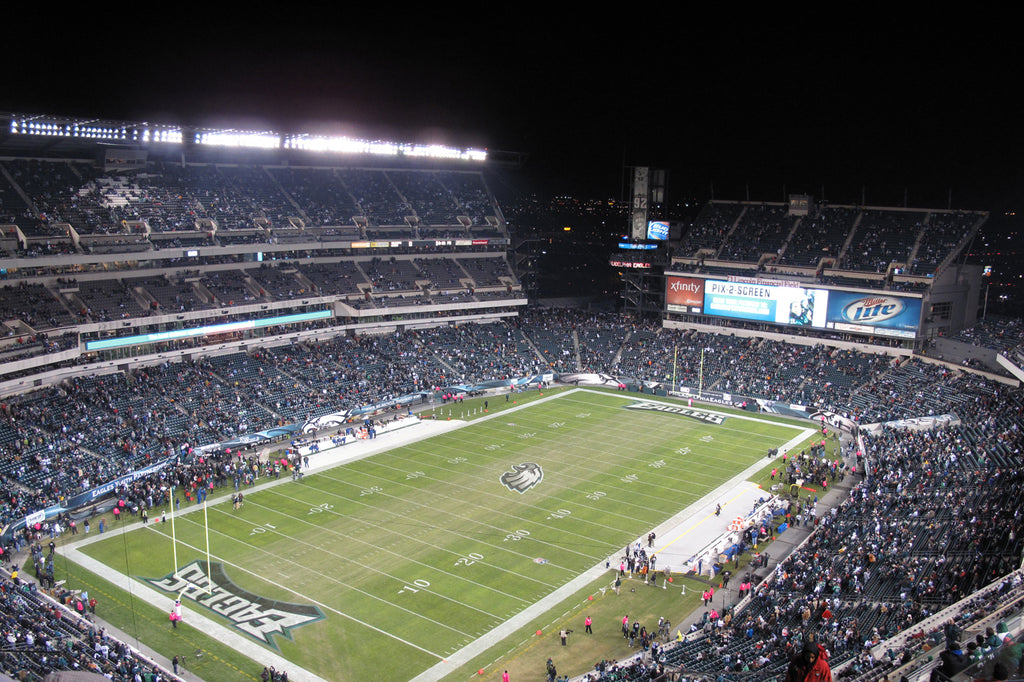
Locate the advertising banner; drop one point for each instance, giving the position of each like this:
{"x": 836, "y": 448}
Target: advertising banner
{"x": 879, "y": 314}
{"x": 684, "y": 295}
{"x": 766, "y": 303}
{"x": 658, "y": 229}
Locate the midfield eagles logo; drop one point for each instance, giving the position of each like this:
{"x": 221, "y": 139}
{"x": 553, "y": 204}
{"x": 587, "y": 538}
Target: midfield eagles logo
{"x": 522, "y": 477}
{"x": 254, "y": 615}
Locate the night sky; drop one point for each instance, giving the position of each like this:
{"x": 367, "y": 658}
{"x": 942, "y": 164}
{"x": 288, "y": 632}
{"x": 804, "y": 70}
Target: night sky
{"x": 758, "y": 107}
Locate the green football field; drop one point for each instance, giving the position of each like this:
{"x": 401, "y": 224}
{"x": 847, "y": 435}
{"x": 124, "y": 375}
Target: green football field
{"x": 384, "y": 567}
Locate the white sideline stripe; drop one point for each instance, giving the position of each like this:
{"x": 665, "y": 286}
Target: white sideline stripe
{"x": 670, "y": 528}
{"x": 366, "y": 448}
{"x": 434, "y": 569}
{"x": 257, "y": 653}
{"x": 325, "y": 606}
{"x": 301, "y": 595}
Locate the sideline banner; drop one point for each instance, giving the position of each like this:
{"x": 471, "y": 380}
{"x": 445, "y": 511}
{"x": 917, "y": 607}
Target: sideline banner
{"x": 939, "y": 421}
{"x": 590, "y": 379}
{"x": 83, "y": 499}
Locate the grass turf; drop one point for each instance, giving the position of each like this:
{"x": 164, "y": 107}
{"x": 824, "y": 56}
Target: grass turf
{"x": 414, "y": 553}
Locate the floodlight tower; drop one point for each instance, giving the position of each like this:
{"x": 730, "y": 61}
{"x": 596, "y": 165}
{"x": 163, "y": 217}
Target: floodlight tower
{"x": 641, "y": 255}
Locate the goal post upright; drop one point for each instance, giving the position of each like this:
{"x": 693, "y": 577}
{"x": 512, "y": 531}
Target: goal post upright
{"x": 206, "y": 524}
{"x": 174, "y": 537}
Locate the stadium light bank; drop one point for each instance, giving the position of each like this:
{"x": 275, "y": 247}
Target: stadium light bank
{"x": 111, "y": 131}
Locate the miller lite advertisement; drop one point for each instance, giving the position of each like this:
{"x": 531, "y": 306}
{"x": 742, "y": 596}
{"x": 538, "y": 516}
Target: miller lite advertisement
{"x": 881, "y": 314}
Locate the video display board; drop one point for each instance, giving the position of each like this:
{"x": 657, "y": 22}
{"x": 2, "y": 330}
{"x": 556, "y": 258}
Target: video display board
{"x": 880, "y": 314}
{"x": 790, "y": 304}
{"x": 658, "y": 230}
{"x": 766, "y": 303}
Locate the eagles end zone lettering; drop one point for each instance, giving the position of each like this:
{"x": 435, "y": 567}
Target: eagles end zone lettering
{"x": 705, "y": 417}
{"x": 254, "y": 615}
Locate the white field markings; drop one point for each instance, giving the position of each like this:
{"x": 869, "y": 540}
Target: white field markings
{"x": 550, "y": 505}
{"x": 620, "y": 448}
{"x": 730, "y": 439}
{"x": 388, "y": 528}
{"x": 329, "y": 579}
{"x": 609, "y": 452}
{"x": 433, "y": 569}
{"x": 514, "y": 624}
{"x": 474, "y": 492}
{"x": 605, "y": 446}
{"x": 457, "y": 501}
{"x": 631, "y": 495}
{"x": 625, "y": 510}
{"x": 720, "y": 449}
{"x": 528, "y": 520}
{"x": 241, "y": 643}
{"x": 367, "y": 569}
{"x": 610, "y": 448}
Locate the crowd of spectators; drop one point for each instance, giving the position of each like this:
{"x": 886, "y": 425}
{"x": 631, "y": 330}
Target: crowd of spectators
{"x": 922, "y": 530}
{"x": 844, "y": 238}
{"x": 43, "y": 635}
{"x": 71, "y": 302}
{"x": 933, "y": 521}
{"x": 249, "y": 200}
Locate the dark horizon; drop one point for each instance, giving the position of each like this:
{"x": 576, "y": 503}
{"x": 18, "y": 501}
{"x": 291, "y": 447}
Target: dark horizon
{"x": 780, "y": 108}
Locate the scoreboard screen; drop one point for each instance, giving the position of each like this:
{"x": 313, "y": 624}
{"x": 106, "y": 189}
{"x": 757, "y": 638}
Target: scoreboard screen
{"x": 794, "y": 305}
{"x": 766, "y": 303}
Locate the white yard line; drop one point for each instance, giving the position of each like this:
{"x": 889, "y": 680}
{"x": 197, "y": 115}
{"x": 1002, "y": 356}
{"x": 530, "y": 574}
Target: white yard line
{"x": 366, "y": 448}
{"x": 377, "y": 548}
{"x": 193, "y": 618}
{"x": 672, "y": 527}
{"x": 323, "y": 576}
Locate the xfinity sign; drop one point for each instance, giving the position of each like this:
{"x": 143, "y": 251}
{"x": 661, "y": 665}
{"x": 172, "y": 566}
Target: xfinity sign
{"x": 683, "y": 285}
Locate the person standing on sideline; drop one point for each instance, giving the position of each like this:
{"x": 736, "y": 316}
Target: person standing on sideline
{"x": 586, "y": 625}
{"x": 504, "y": 676}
